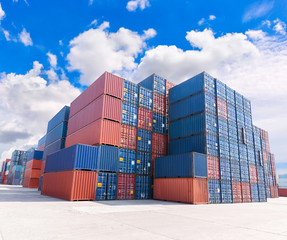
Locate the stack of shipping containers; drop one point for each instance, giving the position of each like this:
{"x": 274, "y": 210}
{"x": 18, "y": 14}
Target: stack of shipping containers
{"x": 33, "y": 169}
{"x": 17, "y": 168}
{"x": 5, "y": 171}
{"x": 54, "y": 140}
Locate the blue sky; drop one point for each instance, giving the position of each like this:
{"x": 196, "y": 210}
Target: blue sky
{"x": 48, "y": 46}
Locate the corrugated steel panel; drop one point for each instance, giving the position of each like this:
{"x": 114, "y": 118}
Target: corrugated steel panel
{"x": 154, "y": 83}
{"x": 112, "y": 186}
{"x": 224, "y": 148}
{"x": 31, "y": 182}
{"x": 222, "y": 110}
{"x": 143, "y": 163}
{"x": 106, "y": 186}
{"x": 106, "y": 84}
{"x": 145, "y": 117}
{"x": 214, "y": 191}
{"x": 61, "y": 116}
{"x": 235, "y": 171}
{"x": 282, "y": 192}
{"x": 254, "y": 192}
{"x": 230, "y": 95}
{"x": 245, "y": 192}
{"x": 129, "y": 114}
{"x": 159, "y": 143}
{"x": 70, "y": 185}
{"x": 101, "y": 131}
{"x": 247, "y": 105}
{"x": 159, "y": 103}
{"x": 260, "y": 174}
{"x": 103, "y": 107}
{"x": 153, "y": 157}
{"x": 53, "y": 147}
{"x": 225, "y": 169}
{"x": 144, "y": 140}
{"x": 213, "y": 167}
{"x": 143, "y": 187}
{"x": 233, "y": 150}
{"x": 127, "y": 161}
{"x": 126, "y": 187}
{"x": 41, "y": 141}
{"x": 181, "y": 165}
{"x": 186, "y": 190}
{"x": 31, "y": 173}
{"x": 244, "y": 172}
{"x": 108, "y": 158}
{"x": 226, "y": 191}
{"x": 130, "y": 92}
{"x": 220, "y": 89}
{"x": 238, "y": 100}
{"x": 128, "y": 137}
{"x": 35, "y": 155}
{"x": 236, "y": 192}
{"x": 34, "y": 164}
{"x": 159, "y": 123}
{"x": 57, "y": 133}
{"x": 253, "y": 173}
{"x": 145, "y": 98}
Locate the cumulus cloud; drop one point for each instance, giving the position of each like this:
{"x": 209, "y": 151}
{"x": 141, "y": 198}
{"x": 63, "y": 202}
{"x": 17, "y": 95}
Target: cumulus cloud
{"x": 280, "y": 26}
{"x": 212, "y": 17}
{"x": 2, "y": 13}
{"x": 201, "y": 21}
{"x": 98, "y": 50}
{"x": 52, "y": 59}
{"x": 134, "y": 4}
{"x": 257, "y": 10}
{"x": 27, "y": 102}
{"x": 94, "y": 22}
{"x": 7, "y": 35}
{"x": 25, "y": 38}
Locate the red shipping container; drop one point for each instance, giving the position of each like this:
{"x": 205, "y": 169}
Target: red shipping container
{"x": 236, "y": 191}
{"x": 264, "y": 156}
{"x": 159, "y": 103}
{"x": 70, "y": 185}
{"x": 101, "y": 131}
{"x": 43, "y": 167}
{"x": 106, "y": 84}
{"x": 4, "y": 180}
{"x": 222, "y": 108}
{"x": 245, "y": 192}
{"x": 32, "y": 173}
{"x": 159, "y": 143}
{"x": 186, "y": 190}
{"x": 145, "y": 119}
{"x": 31, "y": 182}
{"x": 153, "y": 157}
{"x": 213, "y": 167}
{"x": 274, "y": 192}
{"x": 34, "y": 164}
{"x": 128, "y": 137}
{"x": 253, "y": 173}
{"x": 41, "y": 148}
{"x": 169, "y": 85}
{"x": 126, "y": 187}
{"x": 282, "y": 192}
{"x": 103, "y": 107}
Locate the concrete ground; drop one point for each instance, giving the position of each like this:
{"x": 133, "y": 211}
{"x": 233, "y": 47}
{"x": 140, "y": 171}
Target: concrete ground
{"x": 25, "y": 214}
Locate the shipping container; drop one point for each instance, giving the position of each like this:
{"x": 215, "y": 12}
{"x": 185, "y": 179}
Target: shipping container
{"x": 35, "y": 164}
{"x": 106, "y": 84}
{"x": 31, "y": 173}
{"x": 169, "y": 85}
{"x": 225, "y": 169}
{"x": 245, "y": 192}
{"x": 53, "y": 147}
{"x": 103, "y": 107}
{"x": 224, "y": 148}
{"x": 144, "y": 140}
{"x": 129, "y": 114}
{"x": 60, "y": 117}
{"x": 236, "y": 192}
{"x": 143, "y": 187}
{"x": 235, "y": 171}
{"x": 35, "y": 155}
{"x": 159, "y": 123}
{"x": 186, "y": 190}
{"x": 230, "y": 98}
{"x": 220, "y": 89}
{"x": 222, "y": 111}
{"x": 57, "y": 133}
{"x": 181, "y": 165}
{"x": 282, "y": 192}
{"x": 106, "y": 186}
{"x": 159, "y": 143}
{"x": 253, "y": 173}
{"x": 145, "y": 98}
{"x": 198, "y": 83}
{"x": 233, "y": 151}
{"x": 153, "y": 157}
{"x": 159, "y": 103}
{"x": 41, "y": 142}
{"x": 127, "y": 161}
{"x": 222, "y": 128}
{"x": 126, "y": 186}
{"x": 154, "y": 83}
{"x": 70, "y": 185}
{"x": 244, "y": 172}
{"x": 143, "y": 163}
{"x": 254, "y": 192}
{"x": 213, "y": 167}
{"x": 128, "y": 137}
{"x": 262, "y": 193}
{"x": 130, "y": 92}
{"x": 40, "y": 183}
{"x": 31, "y": 182}
{"x": 238, "y": 100}
{"x": 101, "y": 131}
{"x": 231, "y": 112}
{"x": 226, "y": 191}
{"x": 214, "y": 191}
{"x": 145, "y": 117}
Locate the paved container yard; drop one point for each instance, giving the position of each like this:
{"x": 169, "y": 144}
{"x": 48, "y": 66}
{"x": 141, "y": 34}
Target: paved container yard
{"x": 25, "y": 214}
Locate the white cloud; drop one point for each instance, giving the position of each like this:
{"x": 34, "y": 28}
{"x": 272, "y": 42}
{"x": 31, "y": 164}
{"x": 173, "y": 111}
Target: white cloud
{"x": 52, "y": 59}
{"x": 98, "y": 50}
{"x": 7, "y": 35}
{"x": 257, "y": 10}
{"x": 280, "y": 26}
{"x": 2, "y": 13}
{"x": 266, "y": 23}
{"x": 255, "y": 34}
{"x": 212, "y": 17}
{"x": 94, "y": 22}
{"x": 27, "y": 102}
{"x": 91, "y": 2}
{"x": 25, "y": 38}
{"x": 60, "y": 42}
{"x": 201, "y": 21}
{"x": 134, "y": 4}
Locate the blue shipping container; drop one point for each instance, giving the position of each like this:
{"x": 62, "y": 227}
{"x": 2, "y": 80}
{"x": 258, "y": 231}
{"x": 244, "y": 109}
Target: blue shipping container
{"x": 238, "y": 100}
{"x": 106, "y": 186}
{"x": 225, "y": 169}
{"x": 220, "y": 89}
{"x": 235, "y": 171}
{"x": 144, "y": 140}
{"x": 129, "y": 114}
{"x": 158, "y": 123}
{"x": 112, "y": 186}
{"x": 222, "y": 128}
{"x": 57, "y": 133}
{"x": 254, "y": 192}
{"x": 154, "y": 83}
{"x": 143, "y": 163}
{"x": 181, "y": 165}
{"x": 35, "y": 155}
{"x": 214, "y": 191}
{"x": 130, "y": 92}
{"x": 230, "y": 96}
{"x": 262, "y": 193}
{"x": 127, "y": 160}
{"x": 145, "y": 98}
{"x": 42, "y": 141}
{"x": 143, "y": 187}
{"x": 226, "y": 191}
{"x": 53, "y": 147}
{"x": 244, "y": 172}
{"x": 61, "y": 116}
{"x": 40, "y": 183}
{"x": 224, "y": 148}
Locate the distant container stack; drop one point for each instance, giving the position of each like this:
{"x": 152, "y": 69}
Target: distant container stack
{"x": 33, "y": 169}
{"x": 17, "y": 167}
{"x": 5, "y": 171}
{"x": 282, "y": 183}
